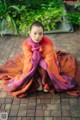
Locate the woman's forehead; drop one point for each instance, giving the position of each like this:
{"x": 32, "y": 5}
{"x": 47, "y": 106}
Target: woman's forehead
{"x": 37, "y": 28}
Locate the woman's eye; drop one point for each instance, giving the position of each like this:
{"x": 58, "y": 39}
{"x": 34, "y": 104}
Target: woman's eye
{"x": 40, "y": 33}
{"x": 35, "y": 33}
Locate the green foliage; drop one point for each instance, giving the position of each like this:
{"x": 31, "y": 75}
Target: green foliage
{"x": 48, "y": 18}
{"x": 7, "y": 14}
{"x": 73, "y": 13}
{"x": 49, "y": 12}
{"x": 74, "y": 17}
{"x": 18, "y": 15}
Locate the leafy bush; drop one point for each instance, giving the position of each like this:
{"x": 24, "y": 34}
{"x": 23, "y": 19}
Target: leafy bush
{"x": 74, "y": 17}
{"x": 73, "y": 13}
{"x": 22, "y": 13}
{"x": 49, "y": 12}
{"x": 7, "y": 13}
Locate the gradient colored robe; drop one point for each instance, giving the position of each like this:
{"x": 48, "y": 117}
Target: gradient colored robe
{"x": 20, "y": 75}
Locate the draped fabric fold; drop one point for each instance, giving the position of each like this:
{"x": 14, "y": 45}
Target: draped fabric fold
{"x": 20, "y": 75}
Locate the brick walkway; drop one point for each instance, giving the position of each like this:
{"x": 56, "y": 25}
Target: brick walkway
{"x": 40, "y": 106}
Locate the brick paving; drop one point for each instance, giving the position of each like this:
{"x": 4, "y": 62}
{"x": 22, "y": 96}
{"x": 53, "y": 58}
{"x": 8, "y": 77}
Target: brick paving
{"x": 40, "y": 105}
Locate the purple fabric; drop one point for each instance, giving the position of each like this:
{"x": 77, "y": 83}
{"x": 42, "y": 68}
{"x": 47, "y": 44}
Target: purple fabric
{"x": 37, "y": 60}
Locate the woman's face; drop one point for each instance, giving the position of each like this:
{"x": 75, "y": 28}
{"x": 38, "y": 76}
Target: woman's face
{"x": 36, "y": 34}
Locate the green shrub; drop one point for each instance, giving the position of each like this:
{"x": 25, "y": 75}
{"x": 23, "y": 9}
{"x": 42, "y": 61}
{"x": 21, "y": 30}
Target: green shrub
{"x": 74, "y": 17}
{"x": 49, "y": 12}
{"x": 7, "y": 15}
{"x": 22, "y": 13}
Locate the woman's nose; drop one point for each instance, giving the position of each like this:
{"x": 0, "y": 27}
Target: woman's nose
{"x": 37, "y": 36}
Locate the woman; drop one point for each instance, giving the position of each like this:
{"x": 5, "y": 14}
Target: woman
{"x": 40, "y": 67}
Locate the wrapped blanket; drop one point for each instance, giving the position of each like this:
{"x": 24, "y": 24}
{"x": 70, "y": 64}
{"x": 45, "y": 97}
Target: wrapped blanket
{"x": 57, "y": 70}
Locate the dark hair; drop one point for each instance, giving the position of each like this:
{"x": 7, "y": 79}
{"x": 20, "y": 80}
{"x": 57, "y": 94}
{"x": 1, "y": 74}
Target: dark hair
{"x": 38, "y": 24}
